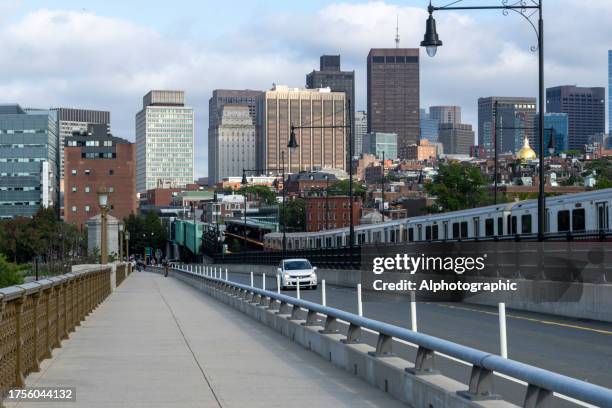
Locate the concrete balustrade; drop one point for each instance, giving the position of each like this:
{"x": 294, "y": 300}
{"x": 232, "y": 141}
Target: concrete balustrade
{"x": 35, "y": 317}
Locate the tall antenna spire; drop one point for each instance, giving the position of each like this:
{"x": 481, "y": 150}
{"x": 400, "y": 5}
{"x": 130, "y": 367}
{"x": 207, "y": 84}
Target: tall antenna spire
{"x": 397, "y": 38}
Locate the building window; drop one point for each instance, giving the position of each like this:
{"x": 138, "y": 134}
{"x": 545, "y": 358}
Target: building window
{"x": 111, "y": 172}
{"x": 74, "y": 208}
{"x": 87, "y": 208}
{"x": 111, "y": 189}
{"x": 87, "y": 189}
{"x": 73, "y": 171}
{"x": 87, "y": 172}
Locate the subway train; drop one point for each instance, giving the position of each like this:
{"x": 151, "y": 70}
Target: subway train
{"x": 575, "y": 214}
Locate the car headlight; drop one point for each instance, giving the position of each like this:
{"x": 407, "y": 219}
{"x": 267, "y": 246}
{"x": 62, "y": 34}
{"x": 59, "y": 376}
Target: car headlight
{"x": 314, "y": 276}
{"x": 287, "y": 276}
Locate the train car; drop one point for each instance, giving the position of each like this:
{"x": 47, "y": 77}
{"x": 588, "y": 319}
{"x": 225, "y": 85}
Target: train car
{"x": 573, "y": 213}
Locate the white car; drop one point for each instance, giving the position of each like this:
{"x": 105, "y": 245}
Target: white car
{"x": 291, "y": 270}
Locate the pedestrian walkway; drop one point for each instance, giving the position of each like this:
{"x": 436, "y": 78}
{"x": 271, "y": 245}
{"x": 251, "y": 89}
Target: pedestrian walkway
{"x": 157, "y": 342}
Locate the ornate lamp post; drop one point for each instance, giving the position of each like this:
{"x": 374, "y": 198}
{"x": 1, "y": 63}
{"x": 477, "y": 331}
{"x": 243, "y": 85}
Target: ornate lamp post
{"x": 528, "y": 10}
{"x": 103, "y": 203}
{"x": 120, "y": 241}
{"x": 127, "y": 245}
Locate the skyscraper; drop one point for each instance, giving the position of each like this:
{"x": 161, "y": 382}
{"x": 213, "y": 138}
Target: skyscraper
{"x": 330, "y": 76}
{"x": 28, "y": 160}
{"x": 456, "y": 138}
{"x": 445, "y": 114}
{"x": 231, "y": 144}
{"x": 555, "y": 124}
{"x": 428, "y": 127}
{"x": 164, "y": 141}
{"x": 378, "y": 143}
{"x": 514, "y": 121}
{"x": 610, "y": 92}
{"x": 280, "y": 108}
{"x": 69, "y": 119}
{"x": 586, "y": 110}
{"x": 216, "y": 104}
{"x": 361, "y": 128}
{"x": 393, "y": 94}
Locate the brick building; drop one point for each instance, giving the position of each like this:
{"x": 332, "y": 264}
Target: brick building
{"x": 96, "y": 159}
{"x": 331, "y": 212}
{"x": 422, "y": 151}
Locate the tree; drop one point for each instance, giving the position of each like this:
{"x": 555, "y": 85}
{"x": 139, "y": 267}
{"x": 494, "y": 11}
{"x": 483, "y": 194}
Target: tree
{"x": 602, "y": 168}
{"x": 341, "y": 188}
{"x": 457, "y": 187}
{"x": 263, "y": 193}
{"x": 294, "y": 217}
{"x": 9, "y": 273}
{"x": 572, "y": 180}
{"x": 145, "y": 231}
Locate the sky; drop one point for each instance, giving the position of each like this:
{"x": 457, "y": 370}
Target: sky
{"x": 107, "y": 54}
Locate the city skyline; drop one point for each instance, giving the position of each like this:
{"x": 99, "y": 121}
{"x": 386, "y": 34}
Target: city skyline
{"x": 124, "y": 73}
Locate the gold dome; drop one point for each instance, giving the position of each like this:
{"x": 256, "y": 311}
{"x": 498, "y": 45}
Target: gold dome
{"x": 526, "y": 153}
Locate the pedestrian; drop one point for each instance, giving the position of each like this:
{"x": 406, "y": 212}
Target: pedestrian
{"x": 166, "y": 267}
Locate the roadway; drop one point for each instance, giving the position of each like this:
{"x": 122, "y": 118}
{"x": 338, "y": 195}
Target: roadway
{"x": 579, "y": 349}
{"x": 157, "y": 342}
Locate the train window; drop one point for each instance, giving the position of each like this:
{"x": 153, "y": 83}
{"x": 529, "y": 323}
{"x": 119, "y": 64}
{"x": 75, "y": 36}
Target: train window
{"x": 428, "y": 233}
{"x": 578, "y": 220}
{"x": 328, "y": 242}
{"x": 404, "y": 235}
{"x": 338, "y": 241}
{"x": 489, "y": 227}
{"x": 500, "y": 226}
{"x": 361, "y": 239}
{"x": 419, "y": 232}
{"x": 456, "y": 230}
{"x": 318, "y": 242}
{"x": 410, "y": 234}
{"x": 563, "y": 221}
{"x": 445, "y": 224}
{"x": 376, "y": 236}
{"x": 464, "y": 229}
{"x": 434, "y": 232}
{"x": 392, "y": 236}
{"x": 526, "y": 224}
{"x": 476, "y": 227}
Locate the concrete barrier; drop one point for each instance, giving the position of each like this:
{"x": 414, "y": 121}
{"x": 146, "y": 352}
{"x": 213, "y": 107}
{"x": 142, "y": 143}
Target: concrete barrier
{"x": 593, "y": 301}
{"x": 387, "y": 373}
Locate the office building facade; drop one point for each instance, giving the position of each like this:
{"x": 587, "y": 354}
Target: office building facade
{"x": 428, "y": 128}
{"x": 96, "y": 159}
{"x": 164, "y": 141}
{"x": 456, "y": 138}
{"x": 610, "y": 92}
{"x": 445, "y": 114}
{"x": 28, "y": 161}
{"x": 361, "y": 128}
{"x": 393, "y": 94}
{"x": 331, "y": 76}
{"x": 231, "y": 144}
{"x": 70, "y": 119}
{"x": 280, "y": 108}
{"x": 513, "y": 118}
{"x": 378, "y": 143}
{"x": 585, "y": 108}
{"x": 555, "y": 125}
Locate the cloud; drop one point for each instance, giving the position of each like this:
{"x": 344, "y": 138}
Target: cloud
{"x": 75, "y": 58}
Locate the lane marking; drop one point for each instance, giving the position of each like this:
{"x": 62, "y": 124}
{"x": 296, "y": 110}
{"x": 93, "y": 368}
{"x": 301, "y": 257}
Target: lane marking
{"x": 531, "y": 319}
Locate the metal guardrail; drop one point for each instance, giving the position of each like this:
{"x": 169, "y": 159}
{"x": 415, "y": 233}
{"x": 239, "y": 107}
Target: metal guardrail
{"x": 541, "y": 383}
{"x": 35, "y": 317}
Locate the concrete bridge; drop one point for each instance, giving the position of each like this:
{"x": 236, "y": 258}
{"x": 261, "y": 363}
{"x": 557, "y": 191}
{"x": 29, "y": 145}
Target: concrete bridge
{"x": 138, "y": 339}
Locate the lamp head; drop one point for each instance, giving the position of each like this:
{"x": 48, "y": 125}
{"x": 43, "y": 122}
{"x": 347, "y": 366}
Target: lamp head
{"x": 244, "y": 181}
{"x": 103, "y": 197}
{"x": 431, "y": 41}
{"x": 292, "y": 140}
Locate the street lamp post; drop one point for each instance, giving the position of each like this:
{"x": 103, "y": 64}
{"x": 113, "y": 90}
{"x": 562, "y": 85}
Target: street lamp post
{"x": 327, "y": 201}
{"x": 120, "y": 242}
{"x": 382, "y": 187}
{"x": 431, "y": 42}
{"x": 293, "y": 144}
{"x": 103, "y": 203}
{"x": 127, "y": 245}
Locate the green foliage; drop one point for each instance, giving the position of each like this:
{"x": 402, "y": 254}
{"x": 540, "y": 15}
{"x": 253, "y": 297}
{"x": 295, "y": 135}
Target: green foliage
{"x": 261, "y": 192}
{"x": 603, "y": 172}
{"x": 341, "y": 188}
{"x": 145, "y": 231}
{"x": 457, "y": 187}
{"x": 295, "y": 215}
{"x": 9, "y": 273}
{"x": 572, "y": 181}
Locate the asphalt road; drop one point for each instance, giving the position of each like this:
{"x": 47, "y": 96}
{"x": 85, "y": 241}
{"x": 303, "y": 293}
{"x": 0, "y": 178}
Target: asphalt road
{"x": 579, "y": 349}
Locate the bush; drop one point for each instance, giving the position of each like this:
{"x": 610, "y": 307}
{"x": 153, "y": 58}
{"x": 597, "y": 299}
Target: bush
{"x": 9, "y": 273}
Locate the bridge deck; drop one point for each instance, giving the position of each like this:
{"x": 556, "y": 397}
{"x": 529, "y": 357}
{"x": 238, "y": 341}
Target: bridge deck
{"x": 156, "y": 342}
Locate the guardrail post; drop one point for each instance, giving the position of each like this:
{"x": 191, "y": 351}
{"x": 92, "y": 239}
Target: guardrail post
{"x": 503, "y": 341}
{"x": 283, "y": 309}
{"x": 323, "y": 293}
{"x": 251, "y": 278}
{"x": 294, "y": 313}
{"x": 331, "y": 325}
{"x": 19, "y": 377}
{"x": 297, "y": 287}
{"x": 311, "y": 319}
{"x": 481, "y": 385}
{"x": 278, "y": 285}
{"x": 353, "y": 335}
{"x": 424, "y": 363}
{"x": 537, "y": 397}
{"x": 226, "y": 275}
{"x": 383, "y": 346}
{"x": 359, "y": 303}
{"x": 413, "y": 313}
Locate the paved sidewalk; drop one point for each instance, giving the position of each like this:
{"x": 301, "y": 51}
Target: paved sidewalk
{"x": 156, "y": 342}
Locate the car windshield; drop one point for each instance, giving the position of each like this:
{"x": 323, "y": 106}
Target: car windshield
{"x": 295, "y": 265}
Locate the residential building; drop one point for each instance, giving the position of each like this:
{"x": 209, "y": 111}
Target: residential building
{"x": 393, "y": 94}
{"x": 283, "y": 107}
{"x": 513, "y": 117}
{"x": 428, "y": 127}
{"x": 361, "y": 128}
{"x": 585, "y": 108}
{"x": 95, "y": 159}
{"x": 231, "y": 145}
{"x": 365, "y": 161}
{"x": 422, "y": 151}
{"x": 306, "y": 182}
{"x": 331, "y": 212}
{"x": 70, "y": 119}
{"x": 456, "y": 138}
{"x": 164, "y": 140}
{"x": 379, "y": 143}
{"x": 555, "y": 125}
{"x": 330, "y": 76}
{"x": 445, "y": 114}
{"x": 28, "y": 161}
